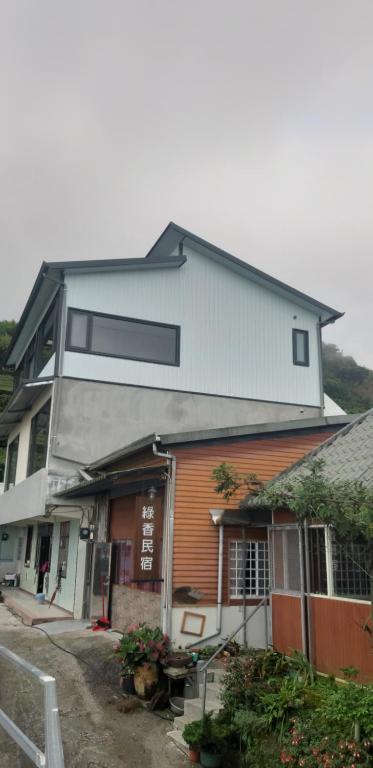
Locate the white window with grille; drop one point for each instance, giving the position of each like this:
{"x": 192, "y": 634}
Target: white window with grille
{"x": 255, "y": 569}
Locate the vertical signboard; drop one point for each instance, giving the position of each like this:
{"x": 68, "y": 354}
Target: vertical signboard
{"x": 148, "y": 538}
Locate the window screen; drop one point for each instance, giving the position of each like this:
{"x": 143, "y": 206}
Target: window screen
{"x": 317, "y": 550}
{"x": 350, "y": 561}
{"x": 286, "y": 560}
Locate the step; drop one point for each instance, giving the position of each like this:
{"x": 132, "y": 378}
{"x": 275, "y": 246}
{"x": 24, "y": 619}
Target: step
{"x": 193, "y": 707}
{"x": 178, "y": 740}
{"x": 180, "y": 722}
{"x": 212, "y": 689}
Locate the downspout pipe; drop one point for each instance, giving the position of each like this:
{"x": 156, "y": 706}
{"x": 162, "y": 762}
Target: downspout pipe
{"x": 217, "y": 519}
{"x": 168, "y": 548}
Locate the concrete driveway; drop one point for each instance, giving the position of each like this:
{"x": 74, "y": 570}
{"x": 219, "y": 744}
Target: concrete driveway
{"x": 95, "y": 733}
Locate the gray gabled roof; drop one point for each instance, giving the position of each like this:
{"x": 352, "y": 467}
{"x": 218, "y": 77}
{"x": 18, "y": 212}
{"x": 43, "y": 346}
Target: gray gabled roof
{"x": 347, "y": 455}
{"x": 161, "y": 256}
{"x": 175, "y": 237}
{"x": 223, "y": 433}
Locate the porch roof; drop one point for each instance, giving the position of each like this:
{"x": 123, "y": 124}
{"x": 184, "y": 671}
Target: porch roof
{"x": 20, "y": 403}
{"x": 122, "y": 481}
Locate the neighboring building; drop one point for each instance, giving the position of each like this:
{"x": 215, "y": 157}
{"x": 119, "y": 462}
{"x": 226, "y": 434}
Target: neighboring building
{"x": 332, "y": 621}
{"x": 162, "y": 527}
{"x": 188, "y": 337}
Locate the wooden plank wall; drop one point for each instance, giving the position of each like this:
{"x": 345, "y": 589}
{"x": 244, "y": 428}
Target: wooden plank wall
{"x": 342, "y": 619}
{"x": 196, "y": 537}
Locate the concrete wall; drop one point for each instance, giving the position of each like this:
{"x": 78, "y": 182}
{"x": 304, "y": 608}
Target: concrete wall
{"x": 93, "y": 419}
{"x": 232, "y": 617}
{"x": 11, "y": 550}
{"x": 25, "y": 500}
{"x": 236, "y": 336}
{"x": 66, "y": 597}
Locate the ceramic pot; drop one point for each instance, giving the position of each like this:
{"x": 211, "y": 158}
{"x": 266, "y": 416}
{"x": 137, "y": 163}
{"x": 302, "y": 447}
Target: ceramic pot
{"x": 146, "y": 679}
{"x": 193, "y": 754}
{"x": 210, "y": 759}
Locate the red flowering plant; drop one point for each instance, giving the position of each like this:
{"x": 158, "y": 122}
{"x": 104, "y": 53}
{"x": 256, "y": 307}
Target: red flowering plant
{"x": 141, "y": 643}
{"x": 327, "y": 752}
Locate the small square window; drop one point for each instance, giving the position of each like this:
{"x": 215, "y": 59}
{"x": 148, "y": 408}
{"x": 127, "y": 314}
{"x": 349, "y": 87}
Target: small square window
{"x": 300, "y": 347}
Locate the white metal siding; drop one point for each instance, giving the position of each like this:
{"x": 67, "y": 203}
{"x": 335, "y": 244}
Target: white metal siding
{"x": 236, "y": 337}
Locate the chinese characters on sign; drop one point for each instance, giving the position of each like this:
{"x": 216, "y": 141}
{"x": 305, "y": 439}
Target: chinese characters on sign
{"x": 147, "y": 544}
{"x": 148, "y": 539}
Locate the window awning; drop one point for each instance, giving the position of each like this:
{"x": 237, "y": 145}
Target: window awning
{"x": 254, "y": 518}
{"x": 20, "y": 403}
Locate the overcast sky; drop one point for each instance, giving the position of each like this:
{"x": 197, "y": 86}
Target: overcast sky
{"x": 249, "y": 122}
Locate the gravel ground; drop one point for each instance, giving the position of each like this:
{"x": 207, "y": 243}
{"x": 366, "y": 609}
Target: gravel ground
{"x": 95, "y": 732}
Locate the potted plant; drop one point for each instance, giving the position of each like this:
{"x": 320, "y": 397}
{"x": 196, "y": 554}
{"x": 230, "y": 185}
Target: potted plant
{"x": 193, "y": 735}
{"x": 140, "y": 650}
{"x": 217, "y": 732}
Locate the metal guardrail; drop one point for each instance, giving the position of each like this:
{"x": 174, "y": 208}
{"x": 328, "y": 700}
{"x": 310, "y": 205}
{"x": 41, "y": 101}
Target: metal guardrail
{"x": 204, "y": 669}
{"x": 53, "y": 756}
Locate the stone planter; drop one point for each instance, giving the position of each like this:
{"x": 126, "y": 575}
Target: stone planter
{"x": 146, "y": 679}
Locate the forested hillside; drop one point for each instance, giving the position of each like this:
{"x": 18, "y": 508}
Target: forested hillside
{"x": 346, "y": 382}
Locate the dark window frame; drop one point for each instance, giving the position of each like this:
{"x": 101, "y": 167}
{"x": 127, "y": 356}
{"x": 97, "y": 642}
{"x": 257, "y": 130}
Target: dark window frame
{"x": 7, "y": 481}
{"x": 305, "y": 363}
{"x": 32, "y": 440}
{"x": 87, "y": 349}
{"x": 28, "y": 550}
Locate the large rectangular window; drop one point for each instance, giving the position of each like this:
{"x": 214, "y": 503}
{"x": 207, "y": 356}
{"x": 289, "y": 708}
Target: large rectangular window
{"x": 114, "y": 336}
{"x": 301, "y": 354}
{"x": 252, "y": 575}
{"x": 11, "y": 468}
{"x": 39, "y": 439}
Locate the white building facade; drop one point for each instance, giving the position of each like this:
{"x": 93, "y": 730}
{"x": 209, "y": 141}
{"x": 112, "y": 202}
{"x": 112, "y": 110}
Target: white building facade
{"x": 108, "y": 351}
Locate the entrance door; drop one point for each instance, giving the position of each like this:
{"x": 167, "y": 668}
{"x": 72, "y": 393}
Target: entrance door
{"x": 43, "y": 554}
{"x": 101, "y": 563}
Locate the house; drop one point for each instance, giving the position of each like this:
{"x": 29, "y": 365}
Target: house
{"x": 321, "y": 602}
{"x": 188, "y": 337}
{"x": 169, "y": 546}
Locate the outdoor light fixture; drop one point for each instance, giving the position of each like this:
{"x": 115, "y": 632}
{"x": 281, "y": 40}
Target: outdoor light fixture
{"x": 152, "y": 492}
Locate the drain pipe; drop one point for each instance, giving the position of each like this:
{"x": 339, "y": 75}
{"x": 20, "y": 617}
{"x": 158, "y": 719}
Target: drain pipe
{"x": 169, "y": 537}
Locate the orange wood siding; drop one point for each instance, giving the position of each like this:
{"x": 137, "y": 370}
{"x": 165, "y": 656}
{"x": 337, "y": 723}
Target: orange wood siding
{"x": 196, "y": 538}
{"x": 339, "y": 639}
{"x": 286, "y": 623}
